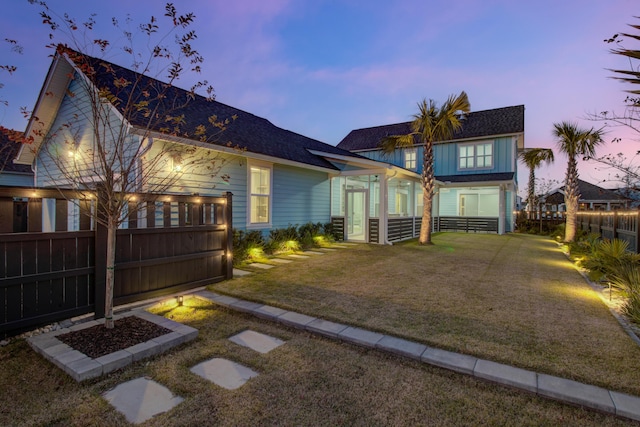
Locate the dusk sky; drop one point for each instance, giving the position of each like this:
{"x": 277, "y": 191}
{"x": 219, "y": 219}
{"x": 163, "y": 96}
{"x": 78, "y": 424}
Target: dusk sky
{"x": 322, "y": 68}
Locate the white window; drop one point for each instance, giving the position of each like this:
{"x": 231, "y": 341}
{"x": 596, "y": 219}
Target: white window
{"x": 259, "y": 194}
{"x": 410, "y": 158}
{"x": 475, "y": 156}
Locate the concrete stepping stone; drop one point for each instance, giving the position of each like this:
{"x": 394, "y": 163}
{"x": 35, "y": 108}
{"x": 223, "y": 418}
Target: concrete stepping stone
{"x": 313, "y": 253}
{"x": 260, "y": 266}
{"x": 281, "y": 261}
{"x": 298, "y": 256}
{"x": 141, "y": 399}
{"x": 256, "y": 341}
{"x": 223, "y": 372}
{"x": 339, "y": 246}
{"x": 328, "y": 249}
{"x": 240, "y": 273}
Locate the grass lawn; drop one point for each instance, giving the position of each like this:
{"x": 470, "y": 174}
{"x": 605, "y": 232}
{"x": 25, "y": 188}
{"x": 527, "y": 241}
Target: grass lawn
{"x": 307, "y": 381}
{"x": 513, "y": 299}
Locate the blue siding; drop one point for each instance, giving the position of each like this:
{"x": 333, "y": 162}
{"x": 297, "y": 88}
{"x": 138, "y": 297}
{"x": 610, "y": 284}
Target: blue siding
{"x": 16, "y": 180}
{"x": 299, "y": 196}
{"x": 446, "y": 157}
{"x": 503, "y": 158}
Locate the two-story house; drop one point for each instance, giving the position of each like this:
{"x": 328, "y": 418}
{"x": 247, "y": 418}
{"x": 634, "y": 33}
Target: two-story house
{"x": 476, "y": 176}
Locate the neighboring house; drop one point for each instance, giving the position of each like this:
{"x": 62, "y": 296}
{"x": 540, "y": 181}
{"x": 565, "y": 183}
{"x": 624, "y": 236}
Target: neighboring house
{"x": 476, "y": 172}
{"x": 592, "y": 198}
{"x": 277, "y": 177}
{"x": 14, "y": 175}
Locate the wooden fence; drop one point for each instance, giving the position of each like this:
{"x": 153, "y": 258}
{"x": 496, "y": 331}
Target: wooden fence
{"x": 53, "y": 267}
{"x": 621, "y": 225}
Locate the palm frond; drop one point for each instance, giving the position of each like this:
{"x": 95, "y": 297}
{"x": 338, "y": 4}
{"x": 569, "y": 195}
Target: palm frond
{"x": 388, "y": 144}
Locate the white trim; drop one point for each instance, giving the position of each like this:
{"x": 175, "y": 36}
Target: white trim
{"x": 261, "y": 165}
{"x": 413, "y": 151}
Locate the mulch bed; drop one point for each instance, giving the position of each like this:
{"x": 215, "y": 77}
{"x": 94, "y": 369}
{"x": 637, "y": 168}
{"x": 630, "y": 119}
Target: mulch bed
{"x": 98, "y": 340}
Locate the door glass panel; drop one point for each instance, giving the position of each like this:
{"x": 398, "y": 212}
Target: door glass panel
{"x": 468, "y": 205}
{"x": 356, "y": 215}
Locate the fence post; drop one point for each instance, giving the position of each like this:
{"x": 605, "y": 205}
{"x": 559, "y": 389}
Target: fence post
{"x": 615, "y": 225}
{"x": 636, "y": 223}
{"x": 229, "y": 246}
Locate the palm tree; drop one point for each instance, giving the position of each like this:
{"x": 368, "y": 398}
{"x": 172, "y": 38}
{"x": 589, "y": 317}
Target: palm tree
{"x": 574, "y": 142}
{"x": 533, "y": 158}
{"x": 429, "y": 125}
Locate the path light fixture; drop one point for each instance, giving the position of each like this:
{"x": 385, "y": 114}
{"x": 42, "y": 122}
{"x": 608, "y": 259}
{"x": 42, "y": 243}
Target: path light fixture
{"x": 180, "y": 299}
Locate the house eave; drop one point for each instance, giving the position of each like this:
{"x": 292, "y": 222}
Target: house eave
{"x": 228, "y": 150}
{"x": 366, "y": 164}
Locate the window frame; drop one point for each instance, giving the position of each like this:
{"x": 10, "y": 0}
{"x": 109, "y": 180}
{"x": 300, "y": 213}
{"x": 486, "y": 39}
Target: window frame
{"x": 250, "y": 194}
{"x": 474, "y": 156}
{"x": 414, "y": 153}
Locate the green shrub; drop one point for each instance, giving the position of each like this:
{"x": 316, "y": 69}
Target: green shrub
{"x": 247, "y": 246}
{"x": 627, "y": 278}
{"x": 605, "y": 257}
{"x": 308, "y": 232}
{"x": 284, "y": 240}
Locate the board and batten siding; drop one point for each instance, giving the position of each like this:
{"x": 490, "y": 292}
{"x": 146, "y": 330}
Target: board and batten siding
{"x": 446, "y": 157}
{"x": 299, "y": 196}
{"x": 502, "y": 157}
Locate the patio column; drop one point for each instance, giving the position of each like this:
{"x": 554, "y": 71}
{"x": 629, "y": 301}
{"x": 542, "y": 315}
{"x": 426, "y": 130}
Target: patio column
{"x": 502, "y": 217}
{"x": 384, "y": 208}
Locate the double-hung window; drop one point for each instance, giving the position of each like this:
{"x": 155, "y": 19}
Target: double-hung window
{"x": 410, "y": 158}
{"x": 259, "y": 194}
{"x": 475, "y": 156}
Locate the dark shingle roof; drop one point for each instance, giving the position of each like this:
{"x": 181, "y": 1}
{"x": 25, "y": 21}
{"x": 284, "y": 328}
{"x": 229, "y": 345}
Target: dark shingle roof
{"x": 503, "y": 176}
{"x": 247, "y": 132}
{"x": 477, "y": 124}
{"x": 588, "y": 192}
{"x": 8, "y": 151}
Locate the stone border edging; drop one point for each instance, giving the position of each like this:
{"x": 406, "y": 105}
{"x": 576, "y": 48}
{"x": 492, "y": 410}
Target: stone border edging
{"x": 560, "y": 389}
{"x": 82, "y": 367}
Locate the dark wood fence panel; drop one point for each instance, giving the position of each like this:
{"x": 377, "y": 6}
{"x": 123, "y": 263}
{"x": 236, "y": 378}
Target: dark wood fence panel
{"x": 150, "y": 261}
{"x": 374, "y": 230}
{"x": 467, "y": 224}
{"x": 402, "y": 229}
{"x": 46, "y": 277}
{"x": 337, "y": 222}
{"x": 621, "y": 225}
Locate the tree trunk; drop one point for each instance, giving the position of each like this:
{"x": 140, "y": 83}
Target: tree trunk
{"x": 428, "y": 185}
{"x": 110, "y": 277}
{"x": 571, "y": 198}
{"x": 531, "y": 202}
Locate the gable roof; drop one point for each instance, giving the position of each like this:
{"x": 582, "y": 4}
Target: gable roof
{"x": 247, "y": 132}
{"x": 588, "y": 192}
{"x": 477, "y": 124}
{"x": 8, "y": 152}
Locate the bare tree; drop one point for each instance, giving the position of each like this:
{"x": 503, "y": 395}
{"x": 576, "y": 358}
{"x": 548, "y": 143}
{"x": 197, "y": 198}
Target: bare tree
{"x": 128, "y": 132}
